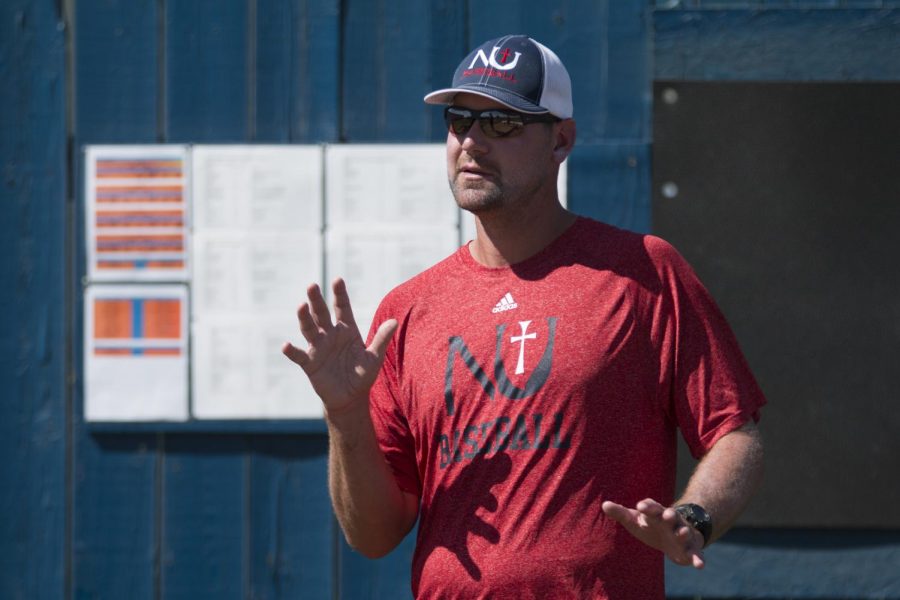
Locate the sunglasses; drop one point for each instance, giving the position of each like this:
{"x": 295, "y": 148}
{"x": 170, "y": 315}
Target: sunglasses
{"x": 494, "y": 122}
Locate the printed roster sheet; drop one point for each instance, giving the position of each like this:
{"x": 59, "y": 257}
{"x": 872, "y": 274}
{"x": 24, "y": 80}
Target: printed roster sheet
{"x": 256, "y": 246}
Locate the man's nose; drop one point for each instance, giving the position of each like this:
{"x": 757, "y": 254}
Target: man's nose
{"x": 474, "y": 141}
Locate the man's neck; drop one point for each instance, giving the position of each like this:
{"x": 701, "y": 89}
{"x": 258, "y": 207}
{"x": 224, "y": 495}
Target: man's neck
{"x": 503, "y": 239}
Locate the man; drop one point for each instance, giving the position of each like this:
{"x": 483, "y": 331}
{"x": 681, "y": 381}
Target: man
{"x": 521, "y": 397}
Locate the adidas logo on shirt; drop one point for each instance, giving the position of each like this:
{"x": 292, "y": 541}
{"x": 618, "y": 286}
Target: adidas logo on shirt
{"x": 506, "y": 303}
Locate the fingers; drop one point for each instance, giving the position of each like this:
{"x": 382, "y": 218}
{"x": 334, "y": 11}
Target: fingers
{"x": 294, "y": 353}
{"x": 683, "y": 533}
{"x": 319, "y": 318}
{"x": 343, "y": 312}
{"x": 662, "y": 528}
{"x": 313, "y": 315}
{"x": 618, "y": 513}
{"x": 308, "y": 326}
{"x": 686, "y": 553}
{"x": 654, "y": 512}
{"x": 318, "y": 308}
{"x": 687, "y": 559}
{"x": 652, "y": 508}
{"x": 644, "y": 514}
{"x": 381, "y": 338}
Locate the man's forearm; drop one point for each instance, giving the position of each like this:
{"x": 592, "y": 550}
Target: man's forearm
{"x": 374, "y": 513}
{"x": 727, "y": 477}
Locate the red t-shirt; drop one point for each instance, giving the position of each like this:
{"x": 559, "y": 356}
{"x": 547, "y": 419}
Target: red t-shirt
{"x": 514, "y": 401}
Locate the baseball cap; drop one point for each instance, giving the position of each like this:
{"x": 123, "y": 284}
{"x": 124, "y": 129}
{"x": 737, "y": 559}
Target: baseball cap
{"x": 516, "y": 71}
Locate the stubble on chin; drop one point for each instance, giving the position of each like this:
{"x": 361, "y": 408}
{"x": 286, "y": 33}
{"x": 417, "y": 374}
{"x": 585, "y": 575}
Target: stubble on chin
{"x": 476, "y": 199}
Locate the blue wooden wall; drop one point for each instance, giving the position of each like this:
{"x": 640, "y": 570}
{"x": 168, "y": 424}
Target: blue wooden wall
{"x": 34, "y": 295}
{"x": 91, "y": 513}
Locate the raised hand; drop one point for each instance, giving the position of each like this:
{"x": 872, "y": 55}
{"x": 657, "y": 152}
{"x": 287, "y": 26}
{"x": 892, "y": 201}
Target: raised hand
{"x": 661, "y": 528}
{"x": 337, "y": 362}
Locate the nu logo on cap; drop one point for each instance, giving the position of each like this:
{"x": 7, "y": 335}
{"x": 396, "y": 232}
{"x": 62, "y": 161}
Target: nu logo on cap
{"x": 492, "y": 59}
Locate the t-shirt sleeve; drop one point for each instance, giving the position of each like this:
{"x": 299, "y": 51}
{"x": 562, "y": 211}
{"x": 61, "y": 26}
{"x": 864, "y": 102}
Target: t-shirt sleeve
{"x": 712, "y": 391}
{"x": 392, "y": 428}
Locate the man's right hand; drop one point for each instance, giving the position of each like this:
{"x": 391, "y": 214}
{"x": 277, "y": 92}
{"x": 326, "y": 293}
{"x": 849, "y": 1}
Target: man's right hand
{"x": 337, "y": 362}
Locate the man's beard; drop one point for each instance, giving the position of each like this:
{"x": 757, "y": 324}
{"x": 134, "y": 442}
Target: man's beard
{"x": 477, "y": 200}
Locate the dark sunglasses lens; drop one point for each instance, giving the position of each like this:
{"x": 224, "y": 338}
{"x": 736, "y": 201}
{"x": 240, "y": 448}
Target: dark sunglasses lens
{"x": 497, "y": 123}
{"x": 494, "y": 123}
{"x": 459, "y": 121}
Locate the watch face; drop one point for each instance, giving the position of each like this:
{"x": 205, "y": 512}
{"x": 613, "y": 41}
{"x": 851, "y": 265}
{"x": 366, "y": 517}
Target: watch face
{"x": 697, "y": 517}
{"x": 694, "y": 514}
{"x": 699, "y": 514}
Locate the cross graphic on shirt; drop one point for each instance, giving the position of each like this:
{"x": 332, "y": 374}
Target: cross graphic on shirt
{"x": 520, "y": 366}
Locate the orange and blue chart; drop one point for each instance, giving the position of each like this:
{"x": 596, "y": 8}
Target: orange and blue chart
{"x": 136, "y": 352}
{"x": 137, "y": 222}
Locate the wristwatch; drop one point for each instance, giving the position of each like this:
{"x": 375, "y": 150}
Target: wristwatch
{"x": 698, "y": 518}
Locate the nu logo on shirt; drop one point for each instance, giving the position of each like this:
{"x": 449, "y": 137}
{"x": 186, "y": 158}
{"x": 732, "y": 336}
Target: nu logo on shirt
{"x": 501, "y": 381}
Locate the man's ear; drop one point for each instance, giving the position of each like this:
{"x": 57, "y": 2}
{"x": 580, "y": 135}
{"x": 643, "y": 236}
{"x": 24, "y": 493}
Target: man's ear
{"x": 564, "y": 140}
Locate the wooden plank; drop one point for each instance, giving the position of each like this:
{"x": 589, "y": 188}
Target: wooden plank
{"x": 767, "y": 4}
{"x": 317, "y": 108}
{"x": 292, "y": 533}
{"x": 611, "y": 183}
{"x": 384, "y": 70}
{"x": 116, "y": 479}
{"x": 207, "y": 71}
{"x": 275, "y": 66}
{"x": 777, "y": 45}
{"x": 32, "y": 300}
{"x": 625, "y": 93}
{"x": 116, "y": 64}
{"x": 297, "y": 52}
{"x": 115, "y": 553}
{"x": 488, "y": 20}
{"x": 447, "y": 46}
{"x": 205, "y": 517}
{"x": 210, "y": 98}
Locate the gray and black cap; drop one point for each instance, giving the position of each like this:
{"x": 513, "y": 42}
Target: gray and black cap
{"x": 517, "y": 72}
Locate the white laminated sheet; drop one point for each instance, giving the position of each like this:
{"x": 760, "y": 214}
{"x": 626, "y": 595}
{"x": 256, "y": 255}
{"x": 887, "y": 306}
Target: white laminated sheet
{"x": 136, "y": 352}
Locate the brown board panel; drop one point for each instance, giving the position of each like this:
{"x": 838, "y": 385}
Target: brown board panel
{"x": 785, "y": 197}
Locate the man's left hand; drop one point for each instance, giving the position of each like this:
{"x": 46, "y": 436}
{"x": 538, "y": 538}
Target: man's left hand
{"x": 662, "y": 528}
